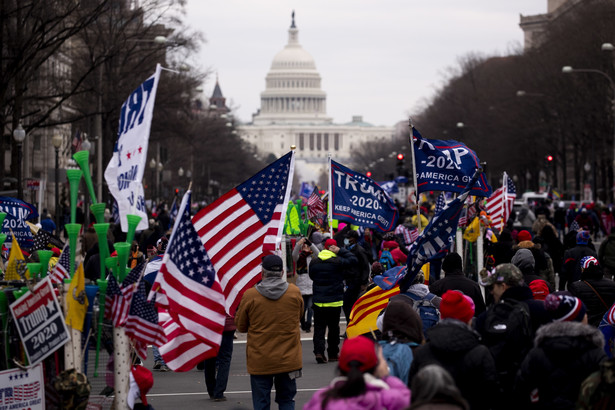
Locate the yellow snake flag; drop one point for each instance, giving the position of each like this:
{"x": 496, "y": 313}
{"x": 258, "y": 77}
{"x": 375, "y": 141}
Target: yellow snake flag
{"x": 16, "y": 268}
{"x": 366, "y": 309}
{"x": 77, "y": 301}
{"x": 472, "y": 231}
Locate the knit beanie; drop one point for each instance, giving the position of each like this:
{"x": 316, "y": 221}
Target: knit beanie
{"x": 330, "y": 242}
{"x": 524, "y": 236}
{"x": 583, "y": 238}
{"x": 565, "y": 308}
{"x": 452, "y": 262}
{"x": 456, "y": 305}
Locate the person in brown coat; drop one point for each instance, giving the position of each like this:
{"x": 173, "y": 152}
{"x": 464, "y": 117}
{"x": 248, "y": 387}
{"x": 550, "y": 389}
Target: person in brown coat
{"x": 270, "y": 313}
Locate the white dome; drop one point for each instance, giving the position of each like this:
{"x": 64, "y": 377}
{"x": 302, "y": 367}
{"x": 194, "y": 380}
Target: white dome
{"x": 293, "y": 56}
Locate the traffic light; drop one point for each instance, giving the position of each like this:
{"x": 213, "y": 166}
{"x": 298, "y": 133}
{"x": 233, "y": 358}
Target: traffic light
{"x": 400, "y": 164}
{"x": 549, "y": 158}
{"x": 369, "y": 174}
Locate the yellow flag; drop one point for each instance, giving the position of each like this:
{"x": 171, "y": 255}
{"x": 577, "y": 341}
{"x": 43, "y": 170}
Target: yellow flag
{"x": 77, "y": 300}
{"x": 472, "y": 231}
{"x": 16, "y": 268}
{"x": 366, "y": 310}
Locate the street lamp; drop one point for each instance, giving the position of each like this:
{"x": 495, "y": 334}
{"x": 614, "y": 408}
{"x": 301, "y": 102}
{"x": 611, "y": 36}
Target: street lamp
{"x": 56, "y": 141}
{"x": 568, "y": 69}
{"x": 19, "y": 135}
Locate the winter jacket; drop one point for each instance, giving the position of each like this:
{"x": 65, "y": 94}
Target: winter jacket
{"x": 303, "y": 279}
{"x": 270, "y": 313}
{"x": 358, "y": 273}
{"x": 327, "y": 272}
{"x": 387, "y": 393}
{"x": 571, "y": 271}
{"x": 456, "y": 280}
{"x": 564, "y": 354}
{"x": 595, "y": 308}
{"x": 543, "y": 266}
{"x": 399, "y": 257}
{"x": 454, "y": 346}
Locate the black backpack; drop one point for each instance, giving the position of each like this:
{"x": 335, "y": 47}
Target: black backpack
{"x": 508, "y": 334}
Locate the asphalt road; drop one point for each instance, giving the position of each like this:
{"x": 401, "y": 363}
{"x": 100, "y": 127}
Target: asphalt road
{"x": 187, "y": 390}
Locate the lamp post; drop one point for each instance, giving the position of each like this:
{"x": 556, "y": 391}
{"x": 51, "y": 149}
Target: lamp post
{"x": 56, "y": 141}
{"x": 19, "y": 135}
{"x": 568, "y": 69}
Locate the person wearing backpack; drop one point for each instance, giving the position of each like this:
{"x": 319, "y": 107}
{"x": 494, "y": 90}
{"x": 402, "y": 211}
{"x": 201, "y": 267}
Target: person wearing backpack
{"x": 453, "y": 345}
{"x": 402, "y": 333}
{"x": 596, "y": 292}
{"x": 507, "y": 327}
{"x": 391, "y": 255}
{"x": 425, "y": 303}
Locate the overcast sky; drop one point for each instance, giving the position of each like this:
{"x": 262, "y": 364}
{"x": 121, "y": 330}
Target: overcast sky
{"x": 379, "y": 59}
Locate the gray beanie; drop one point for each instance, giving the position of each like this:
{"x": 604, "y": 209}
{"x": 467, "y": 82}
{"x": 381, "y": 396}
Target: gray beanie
{"x": 524, "y": 260}
{"x": 316, "y": 238}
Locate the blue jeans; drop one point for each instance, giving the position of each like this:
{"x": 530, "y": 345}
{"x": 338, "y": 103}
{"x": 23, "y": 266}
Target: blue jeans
{"x": 285, "y": 391}
{"x": 157, "y": 355}
{"x": 216, "y": 383}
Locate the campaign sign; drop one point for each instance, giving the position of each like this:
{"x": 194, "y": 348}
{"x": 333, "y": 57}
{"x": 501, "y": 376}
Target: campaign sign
{"x": 40, "y": 322}
{"x": 17, "y": 213}
{"x": 22, "y": 389}
{"x": 447, "y": 166}
{"x": 358, "y": 200}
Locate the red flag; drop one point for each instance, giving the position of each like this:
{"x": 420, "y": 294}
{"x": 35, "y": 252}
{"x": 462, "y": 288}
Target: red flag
{"x": 192, "y": 296}
{"x": 244, "y": 225}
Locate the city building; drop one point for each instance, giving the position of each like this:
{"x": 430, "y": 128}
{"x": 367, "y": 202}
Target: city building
{"x": 535, "y": 26}
{"x": 293, "y": 111}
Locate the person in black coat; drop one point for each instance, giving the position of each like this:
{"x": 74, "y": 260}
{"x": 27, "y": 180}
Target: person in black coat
{"x": 453, "y": 345}
{"x": 597, "y": 293}
{"x": 571, "y": 270}
{"x": 565, "y": 352}
{"x": 327, "y": 272}
{"x": 455, "y": 279}
{"x": 357, "y": 276}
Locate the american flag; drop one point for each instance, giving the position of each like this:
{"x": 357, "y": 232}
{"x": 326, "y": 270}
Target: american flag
{"x": 118, "y": 298}
{"x": 315, "y": 205}
{"x": 77, "y": 140}
{"x": 61, "y": 269}
{"x": 191, "y": 294}
{"x": 244, "y": 225}
{"x": 142, "y": 322}
{"x": 500, "y": 203}
{"x": 440, "y": 202}
{"x": 409, "y": 235}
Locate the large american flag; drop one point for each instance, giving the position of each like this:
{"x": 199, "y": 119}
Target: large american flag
{"x": 500, "y": 203}
{"x": 191, "y": 295}
{"x": 244, "y": 225}
{"x": 142, "y": 322}
{"x": 61, "y": 268}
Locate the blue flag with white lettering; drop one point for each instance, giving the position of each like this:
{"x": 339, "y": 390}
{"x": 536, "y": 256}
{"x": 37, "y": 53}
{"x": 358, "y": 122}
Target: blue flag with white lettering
{"x": 17, "y": 213}
{"x": 357, "y": 199}
{"x": 446, "y": 166}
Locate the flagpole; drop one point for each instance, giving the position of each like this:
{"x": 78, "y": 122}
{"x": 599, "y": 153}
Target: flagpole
{"x": 330, "y": 202}
{"x": 416, "y": 191}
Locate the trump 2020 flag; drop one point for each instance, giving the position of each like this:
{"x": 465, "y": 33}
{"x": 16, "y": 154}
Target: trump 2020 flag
{"x": 125, "y": 170}
{"x": 17, "y": 213}
{"x": 357, "y": 199}
{"x": 446, "y": 166}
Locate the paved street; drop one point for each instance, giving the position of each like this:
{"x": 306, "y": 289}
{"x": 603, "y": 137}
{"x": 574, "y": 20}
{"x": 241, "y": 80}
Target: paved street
{"x": 188, "y": 389}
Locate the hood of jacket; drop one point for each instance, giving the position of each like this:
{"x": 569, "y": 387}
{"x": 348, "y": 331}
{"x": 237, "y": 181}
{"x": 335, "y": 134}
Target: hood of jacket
{"x": 272, "y": 288}
{"x": 326, "y": 254}
{"x": 562, "y": 338}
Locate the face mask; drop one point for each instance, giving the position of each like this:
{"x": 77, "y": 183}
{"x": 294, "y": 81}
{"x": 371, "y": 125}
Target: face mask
{"x": 346, "y": 242}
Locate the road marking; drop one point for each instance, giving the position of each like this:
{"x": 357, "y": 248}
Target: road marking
{"x": 226, "y": 392}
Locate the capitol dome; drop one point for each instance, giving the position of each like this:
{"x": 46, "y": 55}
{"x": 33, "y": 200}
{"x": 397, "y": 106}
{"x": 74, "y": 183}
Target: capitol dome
{"x": 293, "y": 93}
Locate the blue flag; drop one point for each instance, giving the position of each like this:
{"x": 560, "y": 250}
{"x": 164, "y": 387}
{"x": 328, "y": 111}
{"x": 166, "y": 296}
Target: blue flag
{"x": 358, "y": 200}
{"x": 446, "y": 166}
{"x": 390, "y": 187}
{"x": 306, "y": 190}
{"x": 433, "y": 243}
{"x": 17, "y": 213}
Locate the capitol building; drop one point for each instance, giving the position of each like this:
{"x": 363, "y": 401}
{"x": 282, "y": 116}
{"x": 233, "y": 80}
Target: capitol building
{"x": 293, "y": 111}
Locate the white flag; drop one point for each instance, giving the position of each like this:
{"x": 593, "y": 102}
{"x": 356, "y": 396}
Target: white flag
{"x": 124, "y": 173}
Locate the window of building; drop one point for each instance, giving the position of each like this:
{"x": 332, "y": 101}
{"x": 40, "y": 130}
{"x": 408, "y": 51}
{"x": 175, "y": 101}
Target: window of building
{"x": 311, "y": 142}
{"x": 36, "y": 143}
{"x": 336, "y": 141}
{"x": 326, "y": 138}
{"x": 301, "y": 142}
{"x": 319, "y": 141}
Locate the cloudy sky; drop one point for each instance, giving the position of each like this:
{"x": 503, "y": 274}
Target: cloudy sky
{"x": 379, "y": 59}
